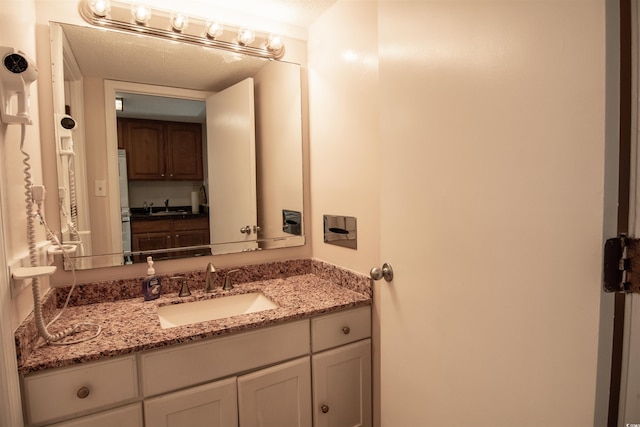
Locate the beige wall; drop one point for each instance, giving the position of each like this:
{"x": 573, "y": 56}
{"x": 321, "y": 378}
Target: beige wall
{"x": 278, "y": 148}
{"x": 345, "y": 147}
{"x": 17, "y": 29}
{"x": 96, "y": 152}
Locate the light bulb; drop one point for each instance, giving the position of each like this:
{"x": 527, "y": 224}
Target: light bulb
{"x": 245, "y": 36}
{"x": 179, "y": 22}
{"x": 141, "y": 14}
{"x": 274, "y": 43}
{"x": 100, "y": 7}
{"x": 214, "y": 29}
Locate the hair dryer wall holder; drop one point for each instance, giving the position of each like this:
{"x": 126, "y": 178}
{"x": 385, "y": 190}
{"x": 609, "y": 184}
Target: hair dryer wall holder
{"x": 17, "y": 72}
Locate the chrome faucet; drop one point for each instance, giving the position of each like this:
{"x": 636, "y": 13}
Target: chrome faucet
{"x": 227, "y": 281}
{"x": 209, "y": 283}
{"x": 166, "y": 205}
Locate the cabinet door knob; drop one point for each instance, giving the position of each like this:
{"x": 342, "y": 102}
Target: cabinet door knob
{"x": 246, "y": 229}
{"x": 83, "y": 392}
{"x": 346, "y": 330}
{"x": 324, "y": 408}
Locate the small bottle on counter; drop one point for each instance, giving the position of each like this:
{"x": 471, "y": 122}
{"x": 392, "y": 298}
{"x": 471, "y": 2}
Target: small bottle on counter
{"x": 151, "y": 283}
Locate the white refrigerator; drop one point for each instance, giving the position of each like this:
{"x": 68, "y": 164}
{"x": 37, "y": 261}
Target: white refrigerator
{"x": 125, "y": 214}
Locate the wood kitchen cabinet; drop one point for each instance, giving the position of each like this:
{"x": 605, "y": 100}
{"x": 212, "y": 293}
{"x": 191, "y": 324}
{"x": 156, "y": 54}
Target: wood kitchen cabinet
{"x": 161, "y": 151}
{"x": 158, "y": 234}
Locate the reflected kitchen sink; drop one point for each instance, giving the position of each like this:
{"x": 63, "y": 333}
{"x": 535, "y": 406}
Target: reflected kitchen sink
{"x": 212, "y": 309}
{"x": 168, "y": 213}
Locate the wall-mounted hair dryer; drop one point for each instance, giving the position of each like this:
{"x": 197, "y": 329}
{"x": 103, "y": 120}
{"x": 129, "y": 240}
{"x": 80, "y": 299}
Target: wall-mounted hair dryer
{"x": 65, "y": 125}
{"x": 17, "y": 72}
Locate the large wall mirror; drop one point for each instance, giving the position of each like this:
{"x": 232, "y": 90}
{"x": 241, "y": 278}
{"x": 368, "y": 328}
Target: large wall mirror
{"x": 202, "y": 156}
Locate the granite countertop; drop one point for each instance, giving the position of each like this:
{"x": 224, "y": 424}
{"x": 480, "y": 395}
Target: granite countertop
{"x": 132, "y": 324}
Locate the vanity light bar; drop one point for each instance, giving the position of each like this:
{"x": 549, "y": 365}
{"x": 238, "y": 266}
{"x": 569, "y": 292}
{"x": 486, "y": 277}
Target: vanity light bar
{"x": 141, "y": 19}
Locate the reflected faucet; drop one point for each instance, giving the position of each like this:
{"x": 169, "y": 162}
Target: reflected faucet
{"x": 209, "y": 284}
{"x": 166, "y": 205}
{"x": 228, "y": 284}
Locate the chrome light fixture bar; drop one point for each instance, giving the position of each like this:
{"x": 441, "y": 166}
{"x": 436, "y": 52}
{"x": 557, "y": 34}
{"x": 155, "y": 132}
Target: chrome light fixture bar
{"x": 142, "y": 19}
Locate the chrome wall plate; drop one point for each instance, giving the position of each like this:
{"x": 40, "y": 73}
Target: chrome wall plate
{"x": 341, "y": 231}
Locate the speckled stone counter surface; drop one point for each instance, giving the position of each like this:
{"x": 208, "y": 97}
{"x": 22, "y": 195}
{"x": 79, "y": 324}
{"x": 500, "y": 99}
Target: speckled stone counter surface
{"x": 300, "y": 288}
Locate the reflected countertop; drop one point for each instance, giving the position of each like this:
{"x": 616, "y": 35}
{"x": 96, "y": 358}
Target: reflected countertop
{"x": 132, "y": 324}
{"x": 142, "y": 214}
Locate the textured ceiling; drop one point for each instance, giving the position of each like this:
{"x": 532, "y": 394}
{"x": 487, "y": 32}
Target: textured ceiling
{"x": 294, "y": 12}
{"x": 117, "y": 56}
{"x": 135, "y": 58}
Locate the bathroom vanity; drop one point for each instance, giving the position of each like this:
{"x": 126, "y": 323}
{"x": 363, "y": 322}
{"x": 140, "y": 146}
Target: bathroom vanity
{"x": 305, "y": 363}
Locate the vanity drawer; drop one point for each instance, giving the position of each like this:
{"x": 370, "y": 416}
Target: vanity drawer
{"x": 79, "y": 389}
{"x": 185, "y": 365}
{"x": 336, "y": 329}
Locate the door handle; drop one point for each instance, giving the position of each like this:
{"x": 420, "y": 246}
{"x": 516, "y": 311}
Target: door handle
{"x": 378, "y": 273}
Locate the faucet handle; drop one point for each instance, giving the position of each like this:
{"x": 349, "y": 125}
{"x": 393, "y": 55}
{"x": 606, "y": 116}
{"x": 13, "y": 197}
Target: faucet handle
{"x": 184, "y": 289}
{"x": 228, "y": 285}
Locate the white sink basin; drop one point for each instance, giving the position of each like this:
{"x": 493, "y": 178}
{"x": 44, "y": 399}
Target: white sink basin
{"x": 212, "y": 309}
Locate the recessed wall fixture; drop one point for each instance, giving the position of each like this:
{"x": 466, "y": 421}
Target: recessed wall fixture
{"x": 141, "y": 19}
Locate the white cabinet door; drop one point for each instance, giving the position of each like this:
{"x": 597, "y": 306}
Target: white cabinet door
{"x": 342, "y": 386}
{"x": 209, "y": 405}
{"x": 127, "y": 416}
{"x": 277, "y": 396}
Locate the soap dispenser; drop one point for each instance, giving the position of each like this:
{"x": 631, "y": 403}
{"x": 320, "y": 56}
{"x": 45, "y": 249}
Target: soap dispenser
{"x": 151, "y": 283}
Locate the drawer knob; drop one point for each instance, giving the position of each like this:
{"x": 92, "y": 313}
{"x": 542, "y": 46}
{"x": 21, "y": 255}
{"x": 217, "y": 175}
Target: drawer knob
{"x": 83, "y": 392}
{"x": 324, "y": 408}
{"x": 346, "y": 330}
